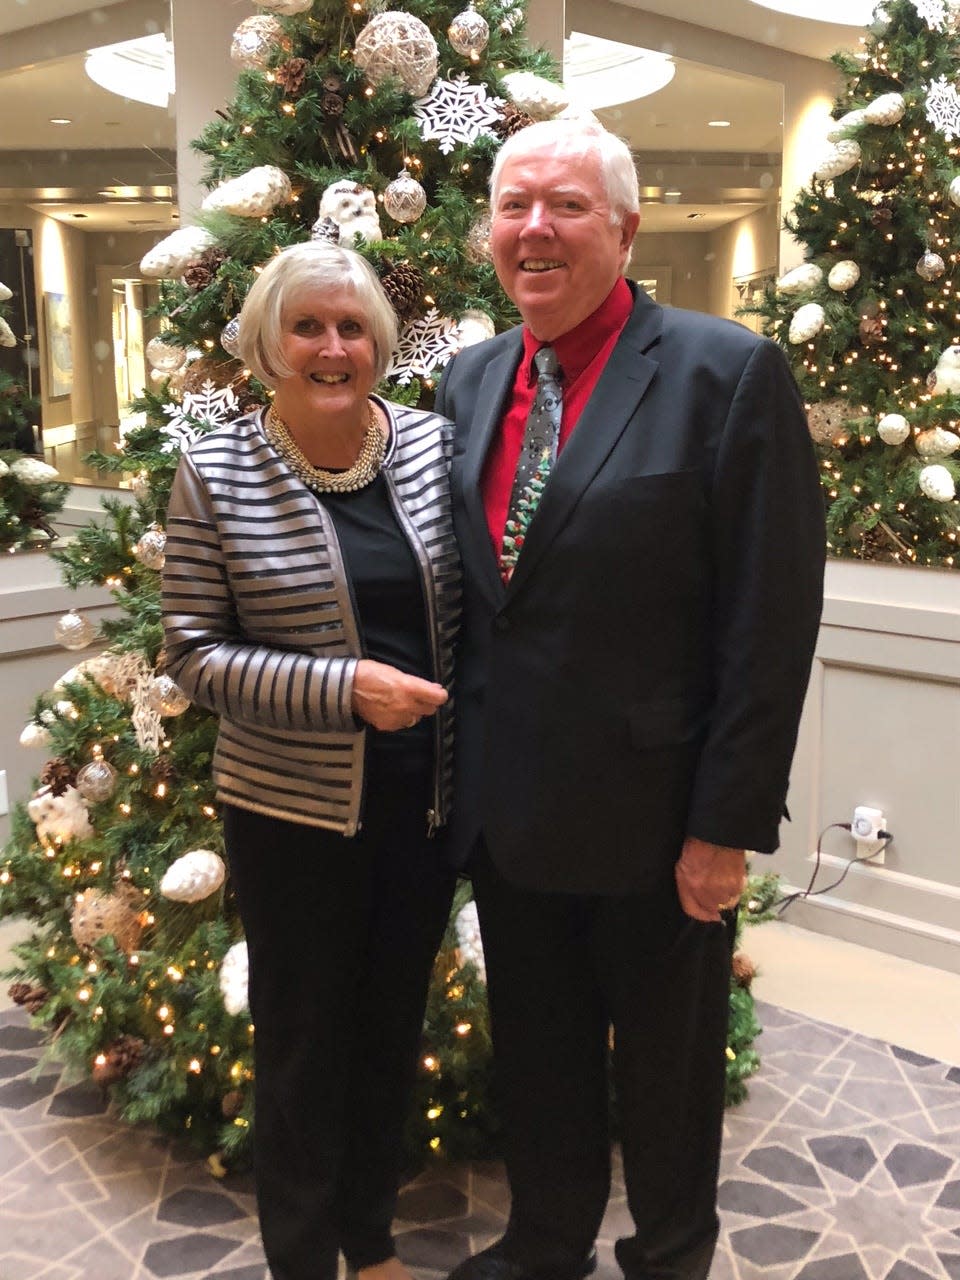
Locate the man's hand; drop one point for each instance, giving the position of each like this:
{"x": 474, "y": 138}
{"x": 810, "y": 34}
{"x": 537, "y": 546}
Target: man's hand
{"x": 390, "y": 699}
{"x": 710, "y": 878}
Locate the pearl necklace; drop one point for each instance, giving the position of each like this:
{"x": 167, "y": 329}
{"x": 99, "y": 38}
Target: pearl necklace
{"x": 365, "y": 468}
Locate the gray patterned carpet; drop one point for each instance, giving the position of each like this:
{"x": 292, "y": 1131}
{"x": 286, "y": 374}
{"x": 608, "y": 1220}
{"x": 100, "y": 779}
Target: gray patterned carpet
{"x": 844, "y": 1164}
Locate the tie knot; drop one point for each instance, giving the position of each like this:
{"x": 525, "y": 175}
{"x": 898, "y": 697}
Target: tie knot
{"x": 545, "y": 363}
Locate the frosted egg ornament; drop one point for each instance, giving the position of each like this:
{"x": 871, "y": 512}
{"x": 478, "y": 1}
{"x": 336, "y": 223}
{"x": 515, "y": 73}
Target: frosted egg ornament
{"x": 953, "y": 191}
{"x": 806, "y": 323}
{"x": 841, "y": 157}
{"x": 807, "y": 276}
{"x": 404, "y": 199}
{"x": 893, "y": 428}
{"x": 469, "y": 33}
{"x": 97, "y": 781}
{"x": 937, "y": 442}
{"x": 254, "y": 42}
{"x": 937, "y": 483}
{"x": 397, "y": 44}
{"x": 887, "y": 109}
{"x": 931, "y": 267}
{"x": 166, "y": 698}
{"x": 193, "y": 876}
{"x": 230, "y": 337}
{"x": 164, "y": 356}
{"x": 843, "y": 275}
{"x": 74, "y": 631}
{"x": 852, "y": 120}
{"x": 149, "y": 549}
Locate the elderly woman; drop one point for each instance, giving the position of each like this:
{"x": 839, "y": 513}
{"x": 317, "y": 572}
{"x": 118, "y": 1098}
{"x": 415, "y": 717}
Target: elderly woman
{"x": 310, "y": 593}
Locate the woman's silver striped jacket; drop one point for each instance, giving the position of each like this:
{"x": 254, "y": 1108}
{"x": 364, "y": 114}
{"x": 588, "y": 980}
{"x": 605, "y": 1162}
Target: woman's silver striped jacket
{"x": 259, "y": 623}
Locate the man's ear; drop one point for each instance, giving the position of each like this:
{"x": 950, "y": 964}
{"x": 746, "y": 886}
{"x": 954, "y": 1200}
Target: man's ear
{"x": 628, "y": 229}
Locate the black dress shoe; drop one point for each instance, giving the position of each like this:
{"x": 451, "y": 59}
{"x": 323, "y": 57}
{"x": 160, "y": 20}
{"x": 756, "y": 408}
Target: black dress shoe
{"x": 493, "y": 1264}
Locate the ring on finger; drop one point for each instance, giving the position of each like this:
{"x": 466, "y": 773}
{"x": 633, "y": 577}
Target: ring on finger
{"x": 412, "y": 721}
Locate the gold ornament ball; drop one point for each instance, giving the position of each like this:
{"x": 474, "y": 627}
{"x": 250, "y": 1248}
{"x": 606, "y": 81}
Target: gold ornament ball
{"x": 149, "y": 550}
{"x": 166, "y": 698}
{"x": 163, "y": 356}
{"x": 74, "y": 631}
{"x": 404, "y": 199}
{"x": 469, "y": 33}
{"x": 98, "y": 915}
{"x": 97, "y": 780}
{"x": 397, "y": 44}
{"x": 931, "y": 266}
{"x": 477, "y": 246}
{"x": 255, "y": 41}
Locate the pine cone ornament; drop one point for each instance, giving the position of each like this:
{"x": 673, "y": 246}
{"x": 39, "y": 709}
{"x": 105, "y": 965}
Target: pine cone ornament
{"x": 58, "y": 774}
{"x": 162, "y": 770}
{"x": 871, "y": 331}
{"x": 290, "y": 76}
{"x": 334, "y": 95}
{"x": 197, "y": 275}
{"x": 28, "y": 996}
{"x": 118, "y": 1060}
{"x": 403, "y": 284}
{"x": 744, "y": 970}
{"x": 511, "y": 121}
{"x": 882, "y": 216}
{"x": 232, "y": 1104}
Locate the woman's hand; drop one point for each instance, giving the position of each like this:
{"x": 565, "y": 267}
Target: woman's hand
{"x": 390, "y": 699}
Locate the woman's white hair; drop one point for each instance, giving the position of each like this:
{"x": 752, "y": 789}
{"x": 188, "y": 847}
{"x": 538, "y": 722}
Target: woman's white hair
{"x": 577, "y": 138}
{"x": 309, "y": 268}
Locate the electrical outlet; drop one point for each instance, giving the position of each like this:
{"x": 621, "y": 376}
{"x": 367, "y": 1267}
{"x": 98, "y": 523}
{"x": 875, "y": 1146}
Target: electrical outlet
{"x": 865, "y": 828}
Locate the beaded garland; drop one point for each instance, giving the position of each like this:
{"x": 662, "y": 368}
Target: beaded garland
{"x": 365, "y": 468}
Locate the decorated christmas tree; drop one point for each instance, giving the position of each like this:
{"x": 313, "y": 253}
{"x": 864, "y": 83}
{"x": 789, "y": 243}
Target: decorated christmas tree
{"x": 871, "y": 320}
{"x": 31, "y": 492}
{"x": 341, "y": 127}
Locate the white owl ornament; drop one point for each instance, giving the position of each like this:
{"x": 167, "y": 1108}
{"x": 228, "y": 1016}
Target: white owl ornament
{"x": 354, "y": 209}
{"x": 944, "y": 380}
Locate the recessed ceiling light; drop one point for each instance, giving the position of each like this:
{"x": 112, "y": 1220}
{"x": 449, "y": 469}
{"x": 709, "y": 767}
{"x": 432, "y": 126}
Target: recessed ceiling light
{"x": 60, "y": 120}
{"x": 719, "y": 124}
{"x": 671, "y": 197}
{"x": 848, "y": 13}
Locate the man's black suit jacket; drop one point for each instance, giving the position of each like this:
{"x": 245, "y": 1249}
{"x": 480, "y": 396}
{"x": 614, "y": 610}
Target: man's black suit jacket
{"x": 642, "y": 676}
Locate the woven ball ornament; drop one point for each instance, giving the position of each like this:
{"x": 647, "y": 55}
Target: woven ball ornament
{"x": 230, "y": 336}
{"x": 931, "y": 267}
{"x": 807, "y": 276}
{"x": 893, "y": 428}
{"x": 937, "y": 483}
{"x": 149, "y": 549}
{"x": 937, "y": 442}
{"x": 887, "y": 109}
{"x": 286, "y": 8}
{"x": 194, "y": 876}
{"x": 163, "y": 356}
{"x": 404, "y": 199}
{"x": 826, "y": 420}
{"x": 841, "y": 157}
{"x": 166, "y": 698}
{"x": 469, "y": 33}
{"x": 843, "y": 275}
{"x": 400, "y": 45}
{"x": 97, "y": 781}
{"x": 74, "y": 631}
{"x": 852, "y": 120}
{"x": 98, "y": 915}
{"x": 806, "y": 323}
{"x": 255, "y": 41}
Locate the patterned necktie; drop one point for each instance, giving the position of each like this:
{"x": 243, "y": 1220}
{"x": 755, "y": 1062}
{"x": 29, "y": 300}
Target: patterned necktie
{"x": 537, "y": 455}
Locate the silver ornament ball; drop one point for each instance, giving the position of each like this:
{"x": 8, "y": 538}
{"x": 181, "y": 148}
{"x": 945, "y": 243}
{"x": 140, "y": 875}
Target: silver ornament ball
{"x": 163, "y": 356}
{"x": 97, "y": 780}
{"x": 74, "y": 631}
{"x": 404, "y": 199}
{"x": 469, "y": 33}
{"x": 477, "y": 245}
{"x": 230, "y": 337}
{"x": 166, "y": 698}
{"x": 931, "y": 266}
{"x": 149, "y": 549}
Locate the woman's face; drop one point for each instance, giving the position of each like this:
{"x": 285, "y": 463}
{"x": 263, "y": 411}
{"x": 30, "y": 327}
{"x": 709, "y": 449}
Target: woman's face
{"x": 326, "y": 341}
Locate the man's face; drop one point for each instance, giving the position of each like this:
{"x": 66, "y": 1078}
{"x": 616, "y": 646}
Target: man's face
{"x": 556, "y": 252}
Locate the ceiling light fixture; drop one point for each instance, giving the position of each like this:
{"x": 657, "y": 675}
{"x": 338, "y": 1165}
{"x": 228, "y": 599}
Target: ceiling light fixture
{"x": 847, "y": 13}
{"x": 604, "y": 73}
{"x": 718, "y": 124}
{"x": 141, "y": 69}
{"x": 60, "y": 120}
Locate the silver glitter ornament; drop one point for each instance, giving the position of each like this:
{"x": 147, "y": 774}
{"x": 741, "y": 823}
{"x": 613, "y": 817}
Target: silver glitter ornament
{"x": 477, "y": 244}
{"x": 74, "y": 631}
{"x": 469, "y": 33}
{"x": 149, "y": 550}
{"x": 166, "y": 698}
{"x": 404, "y": 199}
{"x": 97, "y": 780}
{"x": 931, "y": 266}
{"x": 230, "y": 337}
{"x": 164, "y": 356}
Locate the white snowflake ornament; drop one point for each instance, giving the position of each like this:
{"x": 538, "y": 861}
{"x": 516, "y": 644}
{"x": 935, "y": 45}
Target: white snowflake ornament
{"x": 807, "y": 322}
{"x": 234, "y": 979}
{"x": 211, "y": 404}
{"x": 943, "y": 107}
{"x": 937, "y": 483}
{"x": 456, "y": 111}
{"x": 171, "y": 257}
{"x": 194, "y": 876}
{"x": 253, "y": 194}
{"x": 425, "y": 345}
{"x": 933, "y": 12}
{"x": 893, "y": 428}
{"x": 807, "y": 276}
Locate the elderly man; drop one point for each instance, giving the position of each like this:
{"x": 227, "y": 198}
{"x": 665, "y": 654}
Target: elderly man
{"x": 641, "y": 526}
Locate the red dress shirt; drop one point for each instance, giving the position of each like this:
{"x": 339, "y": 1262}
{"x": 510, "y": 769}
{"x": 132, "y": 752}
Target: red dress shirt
{"x": 581, "y": 354}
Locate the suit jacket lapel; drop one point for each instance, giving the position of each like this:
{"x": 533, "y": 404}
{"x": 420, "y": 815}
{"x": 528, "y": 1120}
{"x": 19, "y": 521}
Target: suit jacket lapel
{"x": 495, "y": 387}
{"x": 614, "y": 400}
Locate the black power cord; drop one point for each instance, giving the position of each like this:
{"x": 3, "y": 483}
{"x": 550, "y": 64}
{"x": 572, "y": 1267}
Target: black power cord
{"x": 884, "y": 837}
